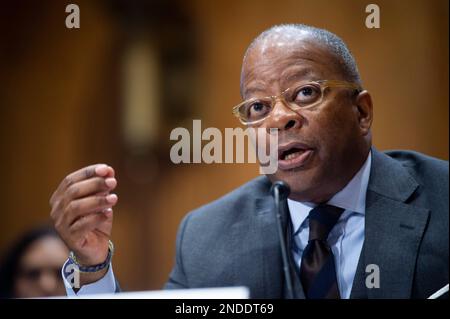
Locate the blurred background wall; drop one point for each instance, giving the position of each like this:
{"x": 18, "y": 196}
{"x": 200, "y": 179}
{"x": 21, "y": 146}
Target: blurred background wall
{"x": 113, "y": 90}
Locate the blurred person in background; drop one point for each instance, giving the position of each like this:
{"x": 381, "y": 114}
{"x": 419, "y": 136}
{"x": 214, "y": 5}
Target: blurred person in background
{"x": 32, "y": 266}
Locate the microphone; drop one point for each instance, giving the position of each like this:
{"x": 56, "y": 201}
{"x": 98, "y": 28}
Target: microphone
{"x": 282, "y": 188}
{"x": 280, "y": 192}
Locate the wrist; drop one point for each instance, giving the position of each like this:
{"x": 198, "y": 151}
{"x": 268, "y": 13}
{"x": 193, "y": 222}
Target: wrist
{"x": 89, "y": 268}
{"x": 91, "y": 260}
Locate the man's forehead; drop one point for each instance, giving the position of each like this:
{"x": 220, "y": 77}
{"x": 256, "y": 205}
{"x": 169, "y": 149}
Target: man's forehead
{"x": 284, "y": 63}
{"x": 277, "y": 49}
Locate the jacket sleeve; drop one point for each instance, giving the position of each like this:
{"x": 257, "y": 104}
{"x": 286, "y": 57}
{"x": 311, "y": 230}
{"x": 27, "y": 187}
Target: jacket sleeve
{"x": 177, "y": 277}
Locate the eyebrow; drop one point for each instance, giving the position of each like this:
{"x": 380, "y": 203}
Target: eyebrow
{"x": 304, "y": 73}
{"x": 254, "y": 89}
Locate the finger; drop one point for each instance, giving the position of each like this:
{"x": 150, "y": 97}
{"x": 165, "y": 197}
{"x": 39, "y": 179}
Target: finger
{"x": 108, "y": 172}
{"x": 107, "y": 212}
{"x": 82, "y": 174}
{"x": 73, "y": 178}
{"x": 59, "y": 213}
{"x": 87, "y": 205}
{"x": 86, "y": 173}
{"x": 91, "y": 186}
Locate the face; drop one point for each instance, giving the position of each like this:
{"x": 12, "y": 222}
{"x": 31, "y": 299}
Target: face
{"x": 40, "y": 269}
{"x": 320, "y": 148}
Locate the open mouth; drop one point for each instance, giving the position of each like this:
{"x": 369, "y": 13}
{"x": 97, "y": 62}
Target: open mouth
{"x": 293, "y": 155}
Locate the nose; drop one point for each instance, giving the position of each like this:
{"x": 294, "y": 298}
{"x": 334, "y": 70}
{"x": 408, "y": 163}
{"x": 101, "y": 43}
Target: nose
{"x": 283, "y": 117}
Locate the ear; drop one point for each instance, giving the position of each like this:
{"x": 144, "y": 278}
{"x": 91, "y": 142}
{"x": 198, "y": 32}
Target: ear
{"x": 364, "y": 107}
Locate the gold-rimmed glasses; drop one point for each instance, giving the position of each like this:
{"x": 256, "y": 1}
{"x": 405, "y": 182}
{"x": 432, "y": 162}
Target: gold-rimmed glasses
{"x": 305, "y": 95}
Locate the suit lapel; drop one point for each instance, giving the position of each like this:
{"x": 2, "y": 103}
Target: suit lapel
{"x": 393, "y": 230}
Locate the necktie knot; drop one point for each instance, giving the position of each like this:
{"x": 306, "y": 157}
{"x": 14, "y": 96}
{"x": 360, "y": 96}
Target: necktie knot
{"x": 322, "y": 220}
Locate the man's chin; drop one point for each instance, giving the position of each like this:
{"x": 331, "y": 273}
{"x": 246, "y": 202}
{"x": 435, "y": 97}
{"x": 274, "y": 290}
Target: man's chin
{"x": 300, "y": 182}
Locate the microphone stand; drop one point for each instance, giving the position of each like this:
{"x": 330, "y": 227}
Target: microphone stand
{"x": 280, "y": 191}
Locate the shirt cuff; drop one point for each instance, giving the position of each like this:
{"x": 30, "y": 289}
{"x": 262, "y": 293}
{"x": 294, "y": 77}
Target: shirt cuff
{"x": 107, "y": 284}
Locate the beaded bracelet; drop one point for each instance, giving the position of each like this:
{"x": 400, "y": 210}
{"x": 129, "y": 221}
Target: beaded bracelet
{"x": 95, "y": 268}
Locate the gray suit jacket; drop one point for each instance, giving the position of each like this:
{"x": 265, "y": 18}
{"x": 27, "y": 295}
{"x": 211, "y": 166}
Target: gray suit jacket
{"x": 233, "y": 241}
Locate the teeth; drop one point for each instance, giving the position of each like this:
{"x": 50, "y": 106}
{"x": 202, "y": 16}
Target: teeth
{"x": 293, "y": 155}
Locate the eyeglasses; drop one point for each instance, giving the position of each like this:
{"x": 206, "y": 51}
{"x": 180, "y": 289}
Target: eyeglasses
{"x": 306, "y": 95}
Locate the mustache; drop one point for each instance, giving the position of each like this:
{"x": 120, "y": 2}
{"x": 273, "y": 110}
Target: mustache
{"x": 287, "y": 137}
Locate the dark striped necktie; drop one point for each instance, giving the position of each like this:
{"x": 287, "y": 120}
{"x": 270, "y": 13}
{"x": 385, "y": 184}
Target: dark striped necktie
{"x": 317, "y": 270}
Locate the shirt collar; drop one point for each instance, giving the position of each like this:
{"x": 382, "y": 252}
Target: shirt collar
{"x": 352, "y": 197}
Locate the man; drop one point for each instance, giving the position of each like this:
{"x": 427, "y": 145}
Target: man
{"x": 362, "y": 224}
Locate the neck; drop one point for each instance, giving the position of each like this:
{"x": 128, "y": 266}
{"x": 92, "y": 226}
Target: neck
{"x": 323, "y": 193}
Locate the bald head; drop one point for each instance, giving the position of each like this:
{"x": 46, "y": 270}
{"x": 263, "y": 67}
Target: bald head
{"x": 296, "y": 35}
